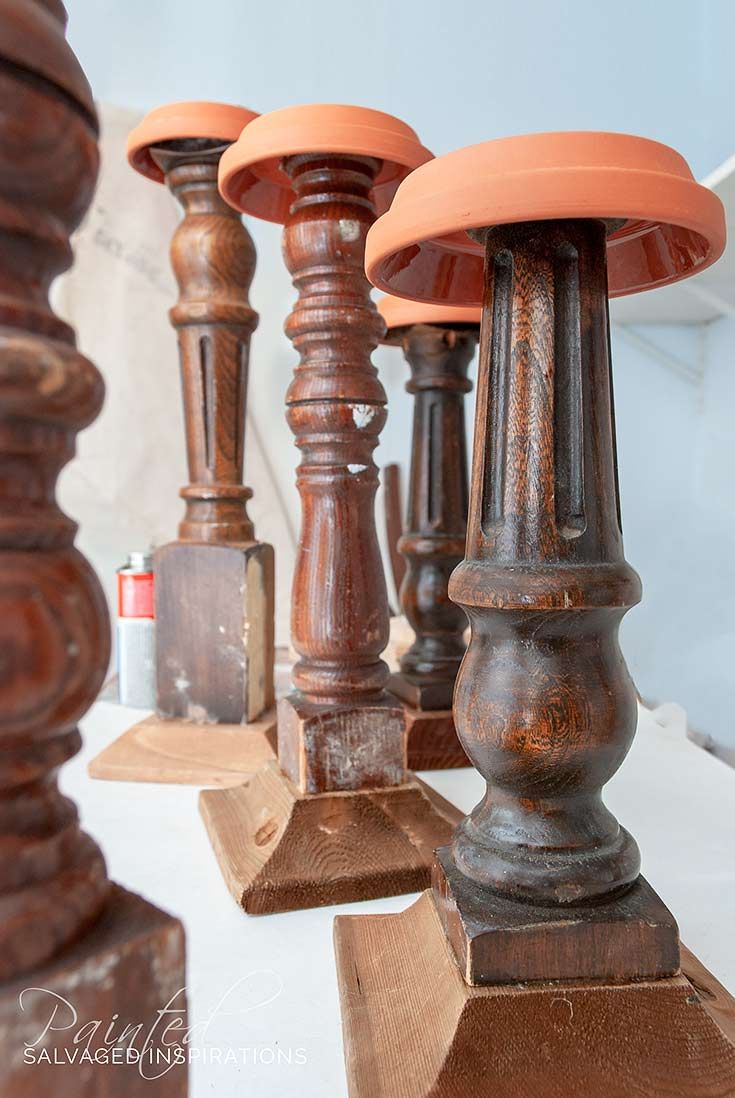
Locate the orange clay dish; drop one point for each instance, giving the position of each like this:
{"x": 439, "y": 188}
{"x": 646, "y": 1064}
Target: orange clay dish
{"x": 183, "y": 121}
{"x": 399, "y": 312}
{"x": 252, "y": 179}
{"x": 662, "y": 225}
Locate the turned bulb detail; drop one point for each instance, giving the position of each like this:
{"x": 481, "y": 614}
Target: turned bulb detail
{"x": 544, "y": 705}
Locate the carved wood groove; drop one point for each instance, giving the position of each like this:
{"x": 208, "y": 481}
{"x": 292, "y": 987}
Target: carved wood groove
{"x": 568, "y": 418}
{"x": 499, "y": 352}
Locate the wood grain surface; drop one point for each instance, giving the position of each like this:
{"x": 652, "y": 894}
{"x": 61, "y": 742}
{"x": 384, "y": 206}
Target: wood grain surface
{"x": 54, "y": 626}
{"x": 213, "y": 258}
{"x": 215, "y": 641}
{"x": 187, "y": 753}
{"x": 414, "y": 1029}
{"x": 125, "y": 970}
{"x": 336, "y": 410}
{"x": 544, "y": 704}
{"x": 280, "y": 849}
{"x": 433, "y": 542}
{"x": 63, "y": 926}
{"x": 431, "y": 740}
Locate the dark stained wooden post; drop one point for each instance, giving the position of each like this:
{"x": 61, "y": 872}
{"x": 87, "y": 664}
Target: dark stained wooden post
{"x": 339, "y": 731}
{"x": 61, "y": 921}
{"x": 539, "y": 893}
{"x": 214, "y": 585}
{"x": 544, "y": 704}
{"x": 433, "y": 542}
{"x": 213, "y": 258}
{"x": 438, "y": 344}
{"x": 545, "y": 571}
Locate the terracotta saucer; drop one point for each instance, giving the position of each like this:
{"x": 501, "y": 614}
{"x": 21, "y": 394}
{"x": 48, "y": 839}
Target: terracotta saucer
{"x": 672, "y": 227}
{"x": 400, "y": 312}
{"x": 177, "y": 121}
{"x": 250, "y": 175}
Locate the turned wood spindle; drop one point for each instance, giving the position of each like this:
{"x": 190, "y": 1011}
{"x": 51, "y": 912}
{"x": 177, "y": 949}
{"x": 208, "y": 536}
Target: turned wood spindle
{"x": 336, "y": 410}
{"x": 438, "y": 343}
{"x": 545, "y": 707}
{"x": 433, "y": 542}
{"x": 54, "y": 626}
{"x": 213, "y": 258}
{"x": 62, "y": 922}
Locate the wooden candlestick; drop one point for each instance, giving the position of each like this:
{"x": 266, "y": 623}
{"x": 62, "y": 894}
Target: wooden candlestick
{"x": 438, "y": 344}
{"x": 341, "y": 819}
{"x": 547, "y": 716}
{"x": 61, "y": 921}
{"x": 214, "y": 586}
{"x": 539, "y": 895}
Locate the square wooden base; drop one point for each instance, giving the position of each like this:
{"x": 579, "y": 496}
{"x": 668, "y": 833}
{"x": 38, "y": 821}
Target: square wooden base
{"x": 633, "y": 936}
{"x": 431, "y": 740}
{"x": 122, "y": 973}
{"x": 214, "y": 631}
{"x": 183, "y": 753}
{"x": 280, "y": 849}
{"x": 413, "y": 1028}
{"x": 345, "y": 746}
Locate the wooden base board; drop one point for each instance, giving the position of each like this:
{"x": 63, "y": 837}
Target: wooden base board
{"x": 125, "y": 970}
{"x": 413, "y": 1028}
{"x": 184, "y": 753}
{"x": 350, "y": 745}
{"x": 431, "y": 740}
{"x": 214, "y": 631}
{"x": 281, "y": 850}
{"x": 496, "y": 940}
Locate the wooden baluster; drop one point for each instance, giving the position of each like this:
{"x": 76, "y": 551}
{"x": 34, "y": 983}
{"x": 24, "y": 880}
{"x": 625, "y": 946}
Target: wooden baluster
{"x": 545, "y": 706}
{"x": 55, "y": 626}
{"x": 336, "y": 409}
{"x": 213, "y": 258}
{"x": 294, "y": 837}
{"x": 438, "y": 353}
{"x": 433, "y": 543}
{"x": 390, "y": 479}
{"x": 61, "y": 921}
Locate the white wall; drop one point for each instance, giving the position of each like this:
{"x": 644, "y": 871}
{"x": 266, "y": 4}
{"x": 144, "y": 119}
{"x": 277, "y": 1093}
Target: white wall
{"x": 458, "y": 72}
{"x": 464, "y": 72}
